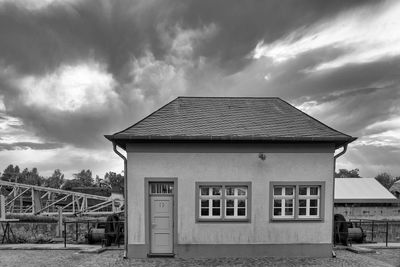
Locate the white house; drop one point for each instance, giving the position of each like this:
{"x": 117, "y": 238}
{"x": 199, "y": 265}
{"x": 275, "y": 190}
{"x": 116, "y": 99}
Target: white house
{"x": 217, "y": 177}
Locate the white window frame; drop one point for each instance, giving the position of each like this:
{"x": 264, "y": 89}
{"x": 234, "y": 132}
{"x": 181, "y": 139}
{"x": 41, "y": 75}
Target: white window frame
{"x": 319, "y": 197}
{"x": 210, "y": 198}
{"x": 308, "y": 197}
{"x": 284, "y": 198}
{"x": 224, "y": 199}
{"x": 236, "y": 198}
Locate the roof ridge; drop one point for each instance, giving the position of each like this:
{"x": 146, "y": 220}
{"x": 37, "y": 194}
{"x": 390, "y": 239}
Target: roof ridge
{"x": 231, "y": 97}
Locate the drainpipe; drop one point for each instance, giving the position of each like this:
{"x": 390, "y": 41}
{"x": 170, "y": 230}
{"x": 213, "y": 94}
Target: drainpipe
{"x": 338, "y": 155}
{"x": 125, "y": 199}
{"x": 333, "y": 197}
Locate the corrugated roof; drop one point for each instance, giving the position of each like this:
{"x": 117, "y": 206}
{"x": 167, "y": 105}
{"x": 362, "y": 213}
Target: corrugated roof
{"x": 361, "y": 190}
{"x": 230, "y": 118}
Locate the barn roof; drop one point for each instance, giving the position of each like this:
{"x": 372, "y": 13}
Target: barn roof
{"x": 229, "y": 119}
{"x": 361, "y": 190}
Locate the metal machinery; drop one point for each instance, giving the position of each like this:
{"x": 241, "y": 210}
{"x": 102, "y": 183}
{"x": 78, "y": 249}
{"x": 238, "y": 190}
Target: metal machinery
{"x": 34, "y": 200}
{"x": 345, "y": 232}
{"x": 108, "y": 232}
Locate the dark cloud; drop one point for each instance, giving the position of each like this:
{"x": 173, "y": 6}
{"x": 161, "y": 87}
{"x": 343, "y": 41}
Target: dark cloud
{"x": 81, "y": 129}
{"x": 120, "y": 33}
{"x": 38, "y": 41}
{"x": 244, "y": 24}
{"x": 29, "y": 145}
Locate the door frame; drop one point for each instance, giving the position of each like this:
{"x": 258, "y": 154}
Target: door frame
{"x": 147, "y": 221}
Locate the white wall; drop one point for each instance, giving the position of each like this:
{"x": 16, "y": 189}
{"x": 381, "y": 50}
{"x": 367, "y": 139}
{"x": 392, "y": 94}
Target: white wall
{"x": 288, "y": 164}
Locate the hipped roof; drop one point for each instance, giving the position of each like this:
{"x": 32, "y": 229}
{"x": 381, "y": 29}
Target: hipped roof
{"x": 232, "y": 119}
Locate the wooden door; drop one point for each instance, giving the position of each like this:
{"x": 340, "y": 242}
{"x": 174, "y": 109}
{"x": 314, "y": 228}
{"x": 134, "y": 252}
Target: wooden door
{"x": 161, "y": 224}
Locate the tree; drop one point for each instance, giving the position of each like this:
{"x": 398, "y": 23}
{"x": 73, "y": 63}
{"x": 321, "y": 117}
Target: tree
{"x": 31, "y": 177}
{"x": 115, "y": 180}
{"x": 344, "y": 173}
{"x": 385, "y": 179}
{"x": 11, "y": 173}
{"x": 55, "y": 180}
{"x": 85, "y": 177}
{"x": 70, "y": 184}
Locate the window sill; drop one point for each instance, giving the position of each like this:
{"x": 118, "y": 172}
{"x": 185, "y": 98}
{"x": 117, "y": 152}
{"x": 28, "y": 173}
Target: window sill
{"x": 222, "y": 220}
{"x": 296, "y": 220}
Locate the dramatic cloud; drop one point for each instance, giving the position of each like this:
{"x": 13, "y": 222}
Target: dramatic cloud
{"x": 72, "y": 71}
{"x": 364, "y": 34}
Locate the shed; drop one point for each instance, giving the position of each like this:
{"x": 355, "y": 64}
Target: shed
{"x": 364, "y": 198}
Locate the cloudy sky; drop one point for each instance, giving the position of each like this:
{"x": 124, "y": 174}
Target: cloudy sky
{"x": 74, "y": 70}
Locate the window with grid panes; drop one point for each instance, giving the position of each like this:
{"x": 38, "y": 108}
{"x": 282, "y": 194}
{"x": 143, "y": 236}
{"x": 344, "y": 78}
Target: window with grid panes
{"x": 283, "y": 201}
{"x": 210, "y": 201}
{"x": 235, "y": 202}
{"x": 296, "y": 201}
{"x": 309, "y": 198}
{"x": 223, "y": 202}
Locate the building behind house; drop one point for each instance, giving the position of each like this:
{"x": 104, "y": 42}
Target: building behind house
{"x": 365, "y": 198}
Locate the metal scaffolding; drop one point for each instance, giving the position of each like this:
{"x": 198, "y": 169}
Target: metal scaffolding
{"x": 34, "y": 200}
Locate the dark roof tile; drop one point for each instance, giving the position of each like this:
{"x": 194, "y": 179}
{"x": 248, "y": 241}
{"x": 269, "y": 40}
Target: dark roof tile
{"x": 238, "y": 118}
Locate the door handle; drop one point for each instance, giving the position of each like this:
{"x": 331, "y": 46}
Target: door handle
{"x": 153, "y": 225}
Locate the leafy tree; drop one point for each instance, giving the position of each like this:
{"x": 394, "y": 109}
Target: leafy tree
{"x": 115, "y": 180}
{"x": 11, "y": 173}
{"x": 85, "y": 177}
{"x": 31, "y": 177}
{"x": 55, "y": 180}
{"x": 385, "y": 179}
{"x": 344, "y": 173}
{"x": 70, "y": 184}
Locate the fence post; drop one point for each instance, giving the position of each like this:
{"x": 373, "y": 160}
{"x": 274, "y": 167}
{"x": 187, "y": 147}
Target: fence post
{"x": 65, "y": 234}
{"x": 76, "y": 231}
{"x": 372, "y": 238}
{"x": 60, "y": 221}
{"x": 387, "y": 232}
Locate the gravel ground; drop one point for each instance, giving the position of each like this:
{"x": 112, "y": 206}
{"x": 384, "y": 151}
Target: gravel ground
{"x": 114, "y": 258}
{"x": 391, "y": 256}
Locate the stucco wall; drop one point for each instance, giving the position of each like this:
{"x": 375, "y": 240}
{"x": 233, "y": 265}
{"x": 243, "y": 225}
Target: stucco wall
{"x": 199, "y": 163}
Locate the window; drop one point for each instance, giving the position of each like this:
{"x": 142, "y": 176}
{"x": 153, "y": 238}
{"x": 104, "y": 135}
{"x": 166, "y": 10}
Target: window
{"x": 161, "y": 188}
{"x": 283, "y": 201}
{"x": 210, "y": 202}
{"x": 309, "y": 198}
{"x": 297, "y": 201}
{"x": 222, "y": 201}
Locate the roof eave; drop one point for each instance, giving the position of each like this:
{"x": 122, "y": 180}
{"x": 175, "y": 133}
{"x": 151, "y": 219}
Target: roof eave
{"x": 123, "y": 139}
{"x": 366, "y": 200}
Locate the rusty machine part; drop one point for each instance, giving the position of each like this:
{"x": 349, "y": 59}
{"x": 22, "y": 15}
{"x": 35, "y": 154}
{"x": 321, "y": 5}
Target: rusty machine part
{"x": 108, "y": 232}
{"x": 97, "y": 233}
{"x": 356, "y": 234}
{"x": 345, "y": 232}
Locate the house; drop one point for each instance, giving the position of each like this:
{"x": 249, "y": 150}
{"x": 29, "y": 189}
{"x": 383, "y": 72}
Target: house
{"x": 219, "y": 177}
{"x": 364, "y": 198}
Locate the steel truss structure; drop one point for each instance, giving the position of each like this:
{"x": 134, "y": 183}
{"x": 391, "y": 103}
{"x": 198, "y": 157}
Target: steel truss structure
{"x": 34, "y": 200}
